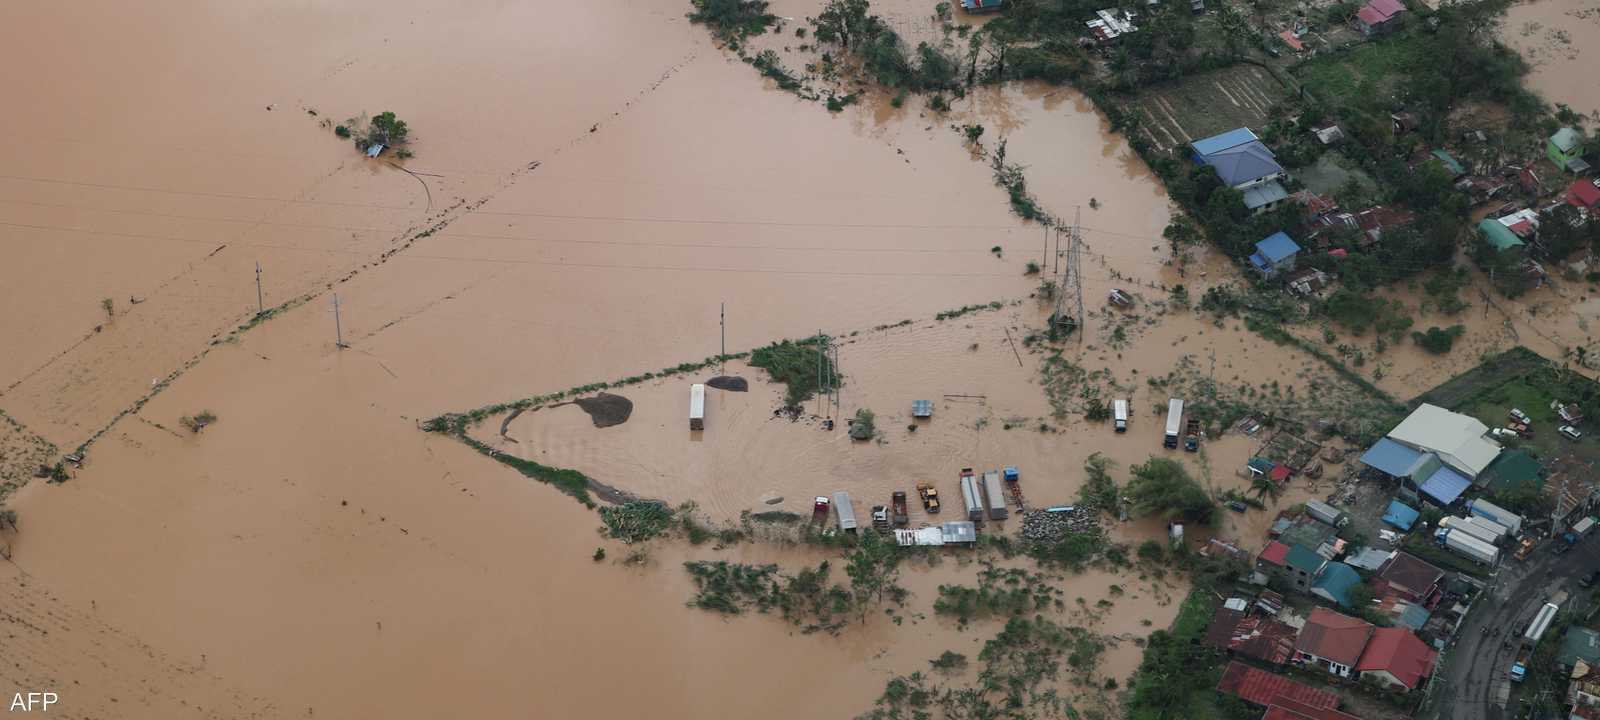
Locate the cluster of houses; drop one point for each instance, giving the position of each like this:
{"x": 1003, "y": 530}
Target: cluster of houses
{"x": 1434, "y": 456}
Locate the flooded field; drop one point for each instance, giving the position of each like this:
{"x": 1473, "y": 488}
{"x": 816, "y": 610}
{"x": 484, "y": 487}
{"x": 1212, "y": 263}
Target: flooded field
{"x": 1559, "y": 39}
{"x": 592, "y": 184}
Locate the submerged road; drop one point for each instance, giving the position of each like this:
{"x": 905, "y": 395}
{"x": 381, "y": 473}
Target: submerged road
{"x": 1475, "y": 683}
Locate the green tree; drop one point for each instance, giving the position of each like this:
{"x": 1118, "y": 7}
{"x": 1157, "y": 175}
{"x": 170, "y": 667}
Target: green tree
{"x": 1162, "y": 487}
{"x": 843, "y": 22}
{"x": 874, "y": 572}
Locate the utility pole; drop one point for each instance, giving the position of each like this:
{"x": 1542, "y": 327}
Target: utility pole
{"x": 1044, "y": 258}
{"x": 261, "y": 307}
{"x": 338, "y": 330}
{"x": 723, "y": 317}
{"x": 821, "y": 350}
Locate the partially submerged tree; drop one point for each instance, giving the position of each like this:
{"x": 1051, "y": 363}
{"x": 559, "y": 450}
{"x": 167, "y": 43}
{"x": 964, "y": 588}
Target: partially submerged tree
{"x": 384, "y": 129}
{"x": 1163, "y": 488}
{"x": 196, "y": 423}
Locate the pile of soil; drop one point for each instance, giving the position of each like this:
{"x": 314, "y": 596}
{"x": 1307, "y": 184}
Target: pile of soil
{"x": 731, "y": 383}
{"x": 606, "y": 409}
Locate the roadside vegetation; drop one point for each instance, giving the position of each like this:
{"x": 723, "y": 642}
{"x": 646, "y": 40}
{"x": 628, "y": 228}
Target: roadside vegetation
{"x": 806, "y": 599}
{"x": 801, "y": 365}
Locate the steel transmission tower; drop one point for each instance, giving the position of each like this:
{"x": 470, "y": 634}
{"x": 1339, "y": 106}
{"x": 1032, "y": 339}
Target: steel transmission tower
{"x": 1069, "y": 286}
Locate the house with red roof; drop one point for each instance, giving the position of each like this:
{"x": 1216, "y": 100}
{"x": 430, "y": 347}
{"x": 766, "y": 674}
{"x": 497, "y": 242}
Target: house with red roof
{"x": 1584, "y": 194}
{"x": 1379, "y": 16}
{"x": 1283, "y": 708}
{"x": 1263, "y": 688}
{"x": 1408, "y": 577}
{"x": 1332, "y": 641}
{"x": 1396, "y": 657}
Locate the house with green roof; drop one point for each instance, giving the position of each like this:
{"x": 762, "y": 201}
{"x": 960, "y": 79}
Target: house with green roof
{"x": 1498, "y": 235}
{"x": 1510, "y": 471}
{"x": 1334, "y": 582}
{"x": 1565, "y": 149}
{"x": 1450, "y": 164}
{"x": 1296, "y": 566}
{"x": 1580, "y": 643}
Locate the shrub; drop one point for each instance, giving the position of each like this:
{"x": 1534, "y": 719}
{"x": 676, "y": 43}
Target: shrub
{"x": 196, "y": 423}
{"x": 1438, "y": 341}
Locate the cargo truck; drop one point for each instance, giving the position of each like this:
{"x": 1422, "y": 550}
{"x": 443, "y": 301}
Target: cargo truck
{"x": 1174, "y": 423}
{"x": 1467, "y": 546}
{"x": 1119, "y": 414}
{"x": 902, "y": 514}
{"x": 996, "y": 494}
{"x": 1530, "y": 640}
{"x": 969, "y": 495}
{"x": 697, "y": 407}
{"x": 847, "y": 512}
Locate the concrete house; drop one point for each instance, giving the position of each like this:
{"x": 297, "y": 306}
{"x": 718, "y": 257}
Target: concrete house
{"x": 1332, "y": 641}
{"x": 1334, "y": 582}
{"x": 1565, "y": 149}
{"x": 1397, "y": 658}
{"x": 1379, "y": 16}
{"x": 1295, "y": 565}
{"x": 1241, "y": 160}
{"x": 1274, "y": 255}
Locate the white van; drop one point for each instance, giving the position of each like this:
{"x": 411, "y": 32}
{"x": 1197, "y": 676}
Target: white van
{"x": 1119, "y": 412}
{"x": 697, "y": 407}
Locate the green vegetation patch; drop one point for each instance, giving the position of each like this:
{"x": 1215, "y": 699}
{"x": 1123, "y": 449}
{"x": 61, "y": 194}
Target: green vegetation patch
{"x": 1000, "y": 592}
{"x": 636, "y": 521}
{"x": 799, "y": 364}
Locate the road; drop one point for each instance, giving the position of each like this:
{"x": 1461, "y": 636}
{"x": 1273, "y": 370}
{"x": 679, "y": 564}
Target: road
{"x": 1474, "y": 683}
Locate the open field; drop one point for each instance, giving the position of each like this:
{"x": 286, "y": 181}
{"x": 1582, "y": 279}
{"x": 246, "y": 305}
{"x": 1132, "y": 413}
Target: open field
{"x": 1203, "y": 105}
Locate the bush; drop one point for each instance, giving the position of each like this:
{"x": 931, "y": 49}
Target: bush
{"x": 1438, "y": 341}
{"x": 864, "y": 426}
{"x": 196, "y": 423}
{"x": 733, "y": 20}
{"x": 797, "y": 365}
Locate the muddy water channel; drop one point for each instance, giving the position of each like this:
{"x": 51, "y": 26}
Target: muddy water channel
{"x": 592, "y": 182}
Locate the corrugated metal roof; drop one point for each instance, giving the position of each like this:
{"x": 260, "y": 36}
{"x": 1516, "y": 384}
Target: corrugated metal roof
{"x": 1457, "y": 439}
{"x": 1400, "y": 515}
{"x": 1261, "y": 687}
{"x": 1264, "y": 195}
{"x": 1566, "y": 139}
{"x": 1334, "y": 636}
{"x": 1278, "y": 246}
{"x": 1335, "y": 581}
{"x": 1391, "y": 457}
{"x": 1499, "y": 235}
{"x": 1223, "y": 141}
{"x": 1400, "y": 653}
{"x": 1244, "y": 164}
{"x": 1445, "y": 485}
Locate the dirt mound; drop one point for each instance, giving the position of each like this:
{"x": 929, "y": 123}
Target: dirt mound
{"x": 732, "y": 383}
{"x": 606, "y": 409}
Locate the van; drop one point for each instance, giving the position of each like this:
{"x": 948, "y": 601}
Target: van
{"x": 1174, "y": 423}
{"x": 1119, "y": 413}
{"x": 697, "y": 407}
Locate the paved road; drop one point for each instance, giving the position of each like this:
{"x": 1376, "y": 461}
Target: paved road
{"x": 1474, "y": 684}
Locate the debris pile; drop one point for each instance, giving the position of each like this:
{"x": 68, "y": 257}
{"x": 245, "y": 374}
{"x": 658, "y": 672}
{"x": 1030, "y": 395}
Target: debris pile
{"x": 1041, "y": 526}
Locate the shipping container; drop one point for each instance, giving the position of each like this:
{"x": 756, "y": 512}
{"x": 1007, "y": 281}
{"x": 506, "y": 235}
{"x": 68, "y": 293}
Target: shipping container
{"x": 1465, "y": 525}
{"x": 1484, "y": 508}
{"x": 1327, "y": 513}
{"x": 1499, "y": 531}
{"x": 697, "y": 407}
{"x": 996, "y": 495}
{"x": 847, "y": 512}
{"x": 969, "y": 495}
{"x": 1119, "y": 414}
{"x": 1174, "y": 422}
{"x": 1468, "y": 546}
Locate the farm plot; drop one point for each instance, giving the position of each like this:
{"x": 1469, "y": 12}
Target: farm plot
{"x": 1207, "y": 104}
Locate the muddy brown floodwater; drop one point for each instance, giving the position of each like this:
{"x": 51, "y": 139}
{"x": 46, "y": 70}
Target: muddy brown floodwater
{"x": 592, "y": 181}
{"x": 1560, "y": 39}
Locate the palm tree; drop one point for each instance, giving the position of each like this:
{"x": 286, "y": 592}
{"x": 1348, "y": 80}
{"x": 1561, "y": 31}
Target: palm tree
{"x": 1263, "y": 486}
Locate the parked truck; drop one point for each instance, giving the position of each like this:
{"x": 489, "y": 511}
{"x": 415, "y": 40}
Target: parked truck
{"x": 1530, "y": 639}
{"x": 697, "y": 407}
{"x": 1174, "y": 423}
{"x": 847, "y": 512}
{"x": 1191, "y": 435}
{"x": 1119, "y": 414}
{"x": 1467, "y": 546}
{"x": 969, "y": 495}
{"x": 1484, "y": 508}
{"x": 902, "y": 515}
{"x": 930, "y": 498}
{"x": 996, "y": 494}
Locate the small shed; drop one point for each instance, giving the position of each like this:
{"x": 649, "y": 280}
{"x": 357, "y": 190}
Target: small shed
{"x": 921, "y": 408}
{"x": 1450, "y": 163}
{"x": 1498, "y": 235}
{"x": 1275, "y": 254}
{"x": 1584, "y": 194}
{"x": 374, "y": 150}
{"x": 1400, "y": 515}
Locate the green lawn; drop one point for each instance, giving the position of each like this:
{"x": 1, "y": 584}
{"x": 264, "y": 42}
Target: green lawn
{"x": 1371, "y": 70}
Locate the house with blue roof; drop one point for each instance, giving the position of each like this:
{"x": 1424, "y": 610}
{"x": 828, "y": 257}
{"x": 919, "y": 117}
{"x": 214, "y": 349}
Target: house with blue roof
{"x": 1242, "y": 162}
{"x": 1334, "y": 582}
{"x": 1274, "y": 255}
